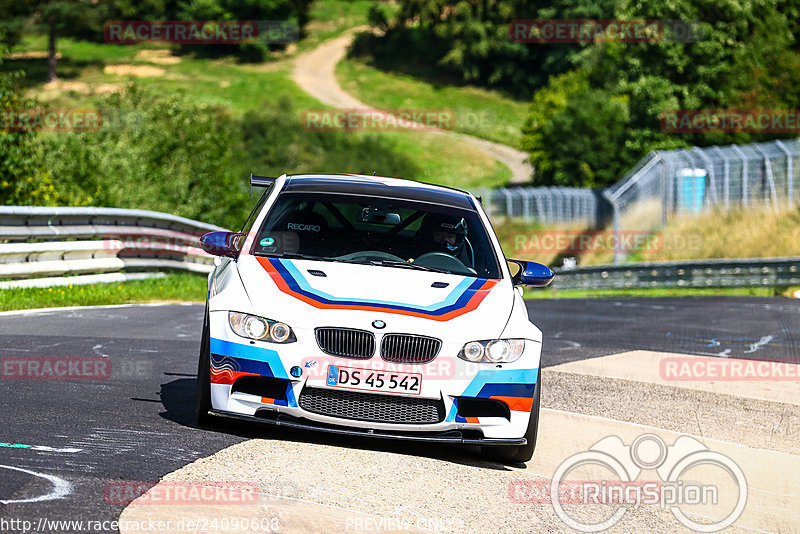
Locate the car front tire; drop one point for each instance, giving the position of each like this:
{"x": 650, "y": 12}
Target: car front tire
{"x": 203, "y": 400}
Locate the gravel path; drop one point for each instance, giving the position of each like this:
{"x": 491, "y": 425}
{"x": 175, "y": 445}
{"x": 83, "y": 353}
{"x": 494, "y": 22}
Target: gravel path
{"x": 337, "y": 486}
{"x": 314, "y": 72}
{"x": 755, "y": 423}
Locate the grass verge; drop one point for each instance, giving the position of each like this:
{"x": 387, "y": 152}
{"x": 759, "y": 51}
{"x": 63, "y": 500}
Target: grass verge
{"x": 192, "y": 288}
{"x": 478, "y": 112}
{"x": 174, "y": 287}
{"x": 743, "y": 233}
{"x": 240, "y": 88}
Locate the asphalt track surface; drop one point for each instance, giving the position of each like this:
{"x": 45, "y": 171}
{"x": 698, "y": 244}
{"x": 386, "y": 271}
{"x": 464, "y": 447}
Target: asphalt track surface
{"x": 136, "y": 425}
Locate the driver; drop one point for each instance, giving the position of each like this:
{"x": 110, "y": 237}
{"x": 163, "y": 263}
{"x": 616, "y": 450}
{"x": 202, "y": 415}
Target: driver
{"x": 444, "y": 233}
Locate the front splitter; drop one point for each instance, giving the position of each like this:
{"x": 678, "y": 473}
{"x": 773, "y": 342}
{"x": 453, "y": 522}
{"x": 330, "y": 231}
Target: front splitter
{"x": 449, "y": 436}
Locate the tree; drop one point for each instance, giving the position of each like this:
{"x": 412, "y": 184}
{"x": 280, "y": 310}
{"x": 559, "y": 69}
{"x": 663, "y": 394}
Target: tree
{"x": 470, "y": 40}
{"x": 61, "y": 17}
{"x": 745, "y": 58}
{"x": 292, "y": 12}
{"x": 77, "y": 18}
{"x": 12, "y": 21}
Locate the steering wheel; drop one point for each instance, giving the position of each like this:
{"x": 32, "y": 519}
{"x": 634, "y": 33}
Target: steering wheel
{"x": 441, "y": 260}
{"x": 369, "y": 255}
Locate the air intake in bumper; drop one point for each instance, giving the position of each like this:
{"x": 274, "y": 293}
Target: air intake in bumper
{"x": 263, "y": 386}
{"x": 372, "y": 407}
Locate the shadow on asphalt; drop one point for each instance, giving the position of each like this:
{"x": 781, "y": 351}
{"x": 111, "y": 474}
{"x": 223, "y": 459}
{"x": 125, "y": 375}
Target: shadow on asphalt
{"x": 178, "y": 399}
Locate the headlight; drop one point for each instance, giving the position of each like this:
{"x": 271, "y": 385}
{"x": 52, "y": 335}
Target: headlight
{"x": 493, "y": 351}
{"x": 254, "y": 327}
{"x": 497, "y": 351}
{"x": 279, "y": 332}
{"x": 473, "y": 351}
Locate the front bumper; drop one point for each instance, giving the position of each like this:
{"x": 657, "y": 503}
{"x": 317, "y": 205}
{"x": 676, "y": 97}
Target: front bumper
{"x": 446, "y": 380}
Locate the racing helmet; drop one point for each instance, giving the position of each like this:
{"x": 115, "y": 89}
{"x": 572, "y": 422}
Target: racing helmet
{"x": 443, "y": 233}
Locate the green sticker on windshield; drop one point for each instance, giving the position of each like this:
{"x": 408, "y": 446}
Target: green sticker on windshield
{"x": 266, "y": 242}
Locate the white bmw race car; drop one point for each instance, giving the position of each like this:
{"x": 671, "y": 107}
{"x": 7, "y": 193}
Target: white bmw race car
{"x": 372, "y": 306}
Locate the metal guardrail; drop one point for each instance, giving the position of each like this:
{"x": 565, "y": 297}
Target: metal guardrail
{"x": 769, "y": 272}
{"x": 42, "y": 247}
{"x": 51, "y": 246}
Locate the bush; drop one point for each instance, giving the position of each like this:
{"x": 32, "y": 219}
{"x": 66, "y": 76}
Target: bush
{"x": 168, "y": 154}
{"x": 163, "y": 154}
{"x": 23, "y": 178}
{"x": 274, "y": 142}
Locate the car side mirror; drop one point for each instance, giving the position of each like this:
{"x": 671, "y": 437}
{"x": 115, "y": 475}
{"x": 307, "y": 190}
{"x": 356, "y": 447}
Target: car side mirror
{"x": 530, "y": 273}
{"x": 223, "y": 243}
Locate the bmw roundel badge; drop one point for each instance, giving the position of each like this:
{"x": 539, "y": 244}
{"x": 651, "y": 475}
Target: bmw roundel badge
{"x": 379, "y": 324}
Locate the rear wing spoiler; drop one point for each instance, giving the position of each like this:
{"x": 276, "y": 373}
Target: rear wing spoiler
{"x": 262, "y": 181}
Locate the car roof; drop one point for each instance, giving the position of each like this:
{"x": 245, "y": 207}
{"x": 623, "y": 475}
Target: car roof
{"x": 380, "y": 187}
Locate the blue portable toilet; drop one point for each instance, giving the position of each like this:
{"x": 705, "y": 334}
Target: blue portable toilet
{"x": 691, "y": 190}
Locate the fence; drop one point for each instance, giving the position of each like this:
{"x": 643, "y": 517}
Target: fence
{"x": 669, "y": 181}
{"x": 42, "y": 247}
{"x": 663, "y": 184}
{"x": 549, "y": 205}
{"x": 692, "y": 180}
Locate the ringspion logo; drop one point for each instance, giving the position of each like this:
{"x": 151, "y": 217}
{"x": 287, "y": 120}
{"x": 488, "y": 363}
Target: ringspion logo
{"x": 689, "y": 476}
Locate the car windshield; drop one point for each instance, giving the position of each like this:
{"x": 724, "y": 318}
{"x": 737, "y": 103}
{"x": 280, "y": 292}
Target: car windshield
{"x": 386, "y": 232}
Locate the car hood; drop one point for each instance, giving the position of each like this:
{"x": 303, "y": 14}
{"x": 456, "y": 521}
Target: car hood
{"x": 307, "y": 294}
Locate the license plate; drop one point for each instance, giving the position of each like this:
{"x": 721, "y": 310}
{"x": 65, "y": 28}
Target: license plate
{"x": 371, "y": 380}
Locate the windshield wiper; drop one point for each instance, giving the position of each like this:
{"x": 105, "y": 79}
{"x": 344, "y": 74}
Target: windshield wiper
{"x": 407, "y": 265}
{"x": 380, "y": 263}
{"x": 357, "y": 262}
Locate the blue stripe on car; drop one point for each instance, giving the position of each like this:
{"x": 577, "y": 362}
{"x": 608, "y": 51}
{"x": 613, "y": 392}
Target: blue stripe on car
{"x": 249, "y": 353}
